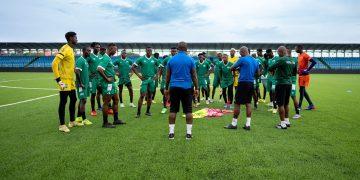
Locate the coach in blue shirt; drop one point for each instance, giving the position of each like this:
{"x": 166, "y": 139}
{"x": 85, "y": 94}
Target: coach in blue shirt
{"x": 179, "y": 77}
{"x": 248, "y": 68}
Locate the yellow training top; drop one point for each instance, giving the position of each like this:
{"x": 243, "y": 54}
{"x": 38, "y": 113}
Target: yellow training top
{"x": 233, "y": 60}
{"x": 63, "y": 66}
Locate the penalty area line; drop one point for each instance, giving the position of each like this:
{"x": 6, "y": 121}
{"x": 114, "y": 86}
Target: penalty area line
{"x": 29, "y": 100}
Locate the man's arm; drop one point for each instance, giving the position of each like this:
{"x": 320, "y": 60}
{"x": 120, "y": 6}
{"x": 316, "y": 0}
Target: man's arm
{"x": 195, "y": 81}
{"x": 275, "y": 65}
{"x": 78, "y": 79}
{"x": 134, "y": 69}
{"x": 100, "y": 69}
{"x": 236, "y": 65}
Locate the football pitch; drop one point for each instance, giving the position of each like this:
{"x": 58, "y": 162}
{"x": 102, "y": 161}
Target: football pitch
{"x": 323, "y": 144}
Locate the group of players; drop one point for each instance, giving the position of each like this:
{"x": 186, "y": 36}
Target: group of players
{"x": 96, "y": 74}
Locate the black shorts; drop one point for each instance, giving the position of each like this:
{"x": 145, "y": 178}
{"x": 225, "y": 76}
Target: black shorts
{"x": 282, "y": 93}
{"x": 244, "y": 93}
{"x": 184, "y": 96}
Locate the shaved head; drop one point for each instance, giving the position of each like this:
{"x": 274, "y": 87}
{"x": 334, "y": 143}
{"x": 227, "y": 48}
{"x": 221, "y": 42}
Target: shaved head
{"x": 182, "y": 46}
{"x": 244, "y": 51}
{"x": 282, "y": 51}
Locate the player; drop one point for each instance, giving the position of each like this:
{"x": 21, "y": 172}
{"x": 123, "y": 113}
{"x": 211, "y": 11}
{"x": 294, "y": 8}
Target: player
{"x": 227, "y": 81}
{"x": 124, "y": 73}
{"x": 93, "y": 61}
{"x": 271, "y": 82}
{"x": 293, "y": 86}
{"x": 173, "y": 52}
{"x": 82, "y": 84}
{"x": 217, "y": 63}
{"x": 282, "y": 68}
{"x": 147, "y": 64}
{"x": 180, "y": 74}
{"x": 109, "y": 89}
{"x": 233, "y": 58}
{"x": 247, "y": 67}
{"x": 63, "y": 67}
{"x": 202, "y": 71}
{"x": 304, "y": 75}
{"x": 256, "y": 93}
{"x": 263, "y": 77}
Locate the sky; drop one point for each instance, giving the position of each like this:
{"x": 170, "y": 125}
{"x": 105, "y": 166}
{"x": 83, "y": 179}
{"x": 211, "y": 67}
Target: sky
{"x": 321, "y": 21}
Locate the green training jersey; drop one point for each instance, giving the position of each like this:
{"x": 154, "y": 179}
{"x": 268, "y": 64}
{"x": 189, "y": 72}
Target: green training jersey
{"x": 107, "y": 65}
{"x": 217, "y": 65}
{"x": 270, "y": 63}
{"x": 294, "y": 73}
{"x": 82, "y": 65}
{"x": 225, "y": 71}
{"x": 202, "y": 69}
{"x": 93, "y": 61}
{"x": 164, "y": 64}
{"x": 209, "y": 62}
{"x": 283, "y": 68}
{"x": 124, "y": 66}
{"x": 147, "y": 66}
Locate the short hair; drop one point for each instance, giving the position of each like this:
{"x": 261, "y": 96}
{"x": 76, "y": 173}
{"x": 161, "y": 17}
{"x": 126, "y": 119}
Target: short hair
{"x": 84, "y": 48}
{"x": 156, "y": 54}
{"x": 200, "y": 54}
{"x": 69, "y": 34}
{"x": 123, "y": 51}
{"x": 173, "y": 48}
{"x": 232, "y": 49}
{"x": 111, "y": 44}
{"x": 93, "y": 44}
{"x": 148, "y": 47}
{"x": 225, "y": 54}
{"x": 182, "y": 46}
{"x": 269, "y": 51}
{"x": 300, "y": 46}
{"x": 259, "y": 50}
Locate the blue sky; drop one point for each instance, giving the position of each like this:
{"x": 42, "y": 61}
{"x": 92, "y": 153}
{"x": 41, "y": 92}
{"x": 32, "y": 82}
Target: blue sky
{"x": 328, "y": 21}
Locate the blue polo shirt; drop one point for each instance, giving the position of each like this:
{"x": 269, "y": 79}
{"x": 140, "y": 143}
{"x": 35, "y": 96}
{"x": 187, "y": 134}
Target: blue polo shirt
{"x": 247, "y": 67}
{"x": 180, "y": 67}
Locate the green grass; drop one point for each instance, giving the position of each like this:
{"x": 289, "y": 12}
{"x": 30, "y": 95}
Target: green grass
{"x": 324, "y": 144}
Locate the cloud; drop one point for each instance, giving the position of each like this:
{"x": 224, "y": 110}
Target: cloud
{"x": 139, "y": 12}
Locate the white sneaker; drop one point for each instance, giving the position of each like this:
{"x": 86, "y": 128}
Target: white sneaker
{"x": 296, "y": 116}
{"x": 274, "y": 111}
{"x": 207, "y": 102}
{"x": 132, "y": 105}
{"x": 74, "y": 123}
{"x": 270, "y": 104}
{"x": 211, "y": 101}
{"x": 122, "y": 105}
{"x": 64, "y": 128}
{"x": 202, "y": 99}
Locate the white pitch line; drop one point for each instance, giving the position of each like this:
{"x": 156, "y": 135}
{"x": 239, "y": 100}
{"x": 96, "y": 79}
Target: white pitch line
{"x": 12, "y": 87}
{"x": 29, "y": 100}
{"x": 14, "y": 80}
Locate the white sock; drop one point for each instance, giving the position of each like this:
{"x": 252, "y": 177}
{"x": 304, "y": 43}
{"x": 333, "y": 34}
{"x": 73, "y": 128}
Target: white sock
{"x": 171, "y": 128}
{"x": 283, "y": 123}
{"x": 188, "y": 128}
{"x": 287, "y": 121}
{"x": 248, "y": 119}
{"x": 234, "y": 122}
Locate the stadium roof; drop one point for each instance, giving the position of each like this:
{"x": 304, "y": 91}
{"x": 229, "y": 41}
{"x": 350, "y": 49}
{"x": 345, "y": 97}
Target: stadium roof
{"x": 205, "y": 46}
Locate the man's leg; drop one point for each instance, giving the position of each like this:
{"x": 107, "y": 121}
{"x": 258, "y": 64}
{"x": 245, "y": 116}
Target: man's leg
{"x": 230, "y": 94}
{"x": 149, "y": 100}
{"x": 106, "y": 102}
{"x": 120, "y": 93}
{"x": 72, "y": 105}
{"x": 116, "y": 110}
{"x": 62, "y": 104}
{"x": 248, "y": 116}
{"x": 225, "y": 95}
{"x": 131, "y": 93}
{"x": 281, "y": 92}
{"x": 98, "y": 99}
{"x": 213, "y": 92}
{"x": 307, "y": 97}
{"x": 92, "y": 101}
{"x": 302, "y": 92}
{"x": 255, "y": 98}
{"x": 141, "y": 99}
